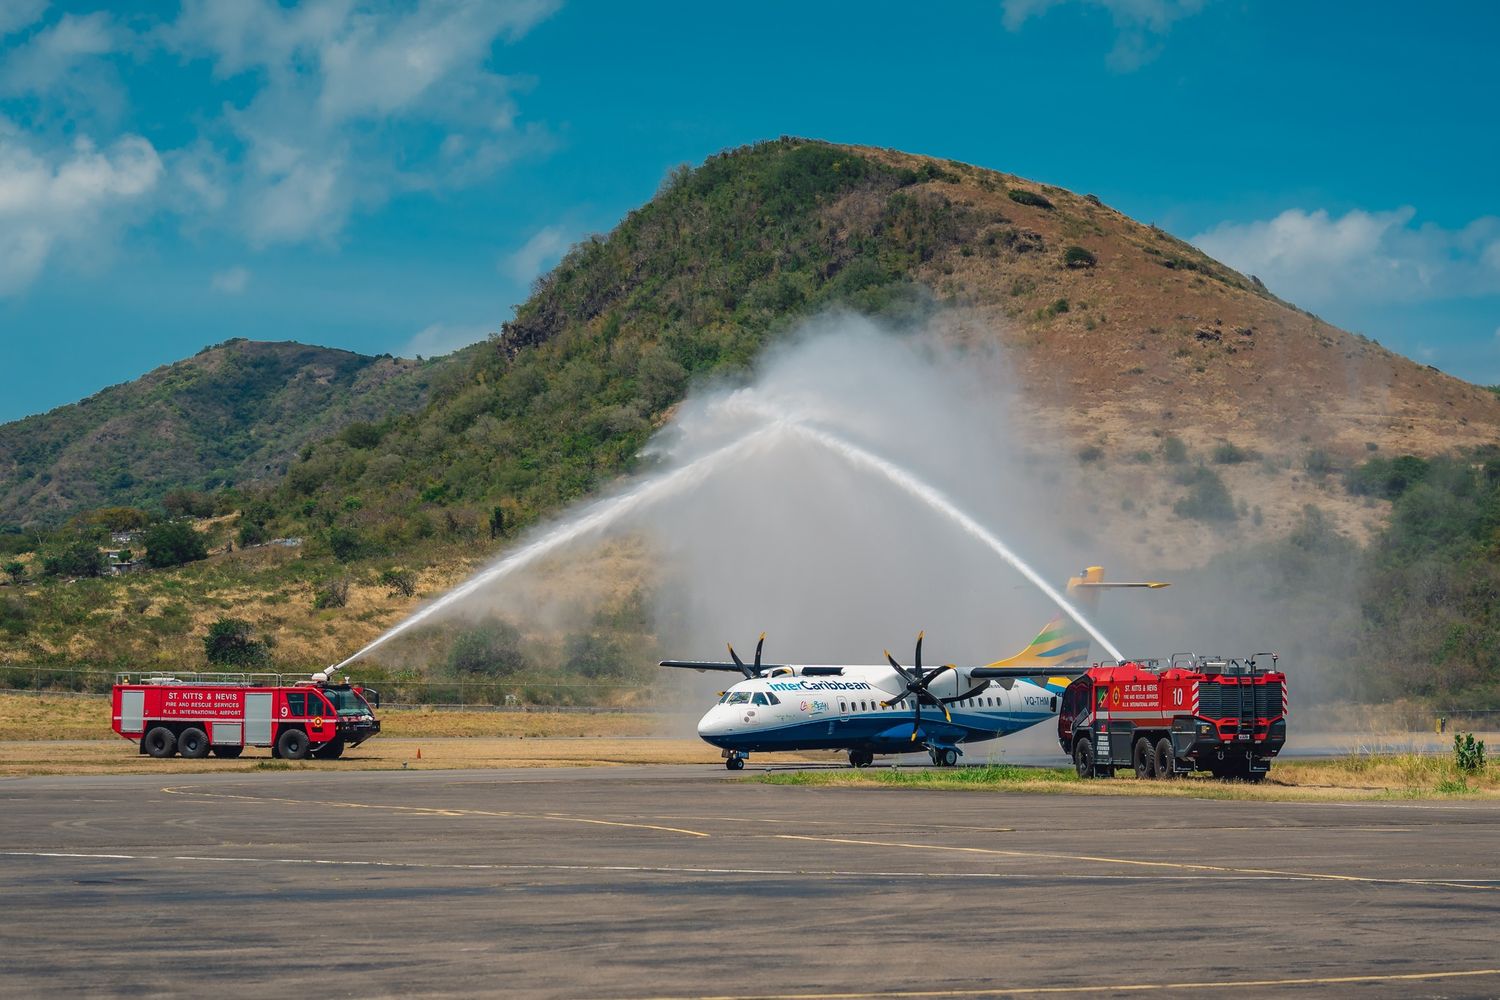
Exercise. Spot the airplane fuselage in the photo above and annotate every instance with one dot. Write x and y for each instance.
(846, 710)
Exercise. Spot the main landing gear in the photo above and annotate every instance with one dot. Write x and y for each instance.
(944, 756)
(861, 758)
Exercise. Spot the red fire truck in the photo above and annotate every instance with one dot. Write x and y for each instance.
(193, 714)
(1226, 716)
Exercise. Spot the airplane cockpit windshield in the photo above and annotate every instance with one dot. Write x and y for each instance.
(749, 698)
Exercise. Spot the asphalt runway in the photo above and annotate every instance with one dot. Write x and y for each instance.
(688, 882)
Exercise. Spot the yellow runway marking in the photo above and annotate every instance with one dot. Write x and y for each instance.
(435, 811)
(1097, 988)
(1178, 865)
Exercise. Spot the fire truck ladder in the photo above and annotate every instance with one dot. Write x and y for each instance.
(1247, 719)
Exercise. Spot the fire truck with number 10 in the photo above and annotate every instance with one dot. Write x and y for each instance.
(1225, 716)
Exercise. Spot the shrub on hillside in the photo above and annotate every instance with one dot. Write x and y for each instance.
(1208, 499)
(402, 582)
(1319, 463)
(188, 503)
(1090, 453)
(1173, 450)
(229, 643)
(173, 543)
(594, 656)
(331, 594)
(1386, 478)
(1228, 453)
(1076, 257)
(491, 648)
(15, 616)
(1024, 197)
(80, 557)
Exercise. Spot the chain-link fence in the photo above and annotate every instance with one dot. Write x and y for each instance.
(395, 692)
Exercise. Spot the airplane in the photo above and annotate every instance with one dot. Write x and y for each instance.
(893, 709)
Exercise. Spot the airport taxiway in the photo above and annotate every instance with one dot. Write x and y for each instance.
(687, 881)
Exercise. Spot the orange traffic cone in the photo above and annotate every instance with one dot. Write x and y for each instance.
(419, 753)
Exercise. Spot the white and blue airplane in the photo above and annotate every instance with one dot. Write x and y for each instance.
(879, 708)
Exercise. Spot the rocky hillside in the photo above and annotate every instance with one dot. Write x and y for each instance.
(231, 415)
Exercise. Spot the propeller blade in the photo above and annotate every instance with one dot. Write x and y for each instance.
(918, 664)
(758, 647)
(739, 662)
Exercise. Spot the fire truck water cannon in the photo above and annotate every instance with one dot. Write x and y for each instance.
(194, 714)
(1195, 713)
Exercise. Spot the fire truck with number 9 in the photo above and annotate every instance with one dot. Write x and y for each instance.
(201, 713)
(1203, 713)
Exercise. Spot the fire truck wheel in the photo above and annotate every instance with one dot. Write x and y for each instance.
(332, 750)
(293, 744)
(1083, 757)
(1144, 759)
(160, 742)
(228, 753)
(192, 743)
(1164, 757)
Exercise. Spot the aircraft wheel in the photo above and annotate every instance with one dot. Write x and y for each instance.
(1165, 759)
(734, 763)
(945, 758)
(861, 758)
(1144, 759)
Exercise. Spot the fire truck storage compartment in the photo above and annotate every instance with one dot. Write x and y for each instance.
(132, 711)
(227, 733)
(258, 717)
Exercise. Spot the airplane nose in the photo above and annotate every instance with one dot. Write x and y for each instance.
(713, 725)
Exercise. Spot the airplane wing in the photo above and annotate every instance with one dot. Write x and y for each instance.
(701, 665)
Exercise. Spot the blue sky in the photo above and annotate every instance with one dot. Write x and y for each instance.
(390, 176)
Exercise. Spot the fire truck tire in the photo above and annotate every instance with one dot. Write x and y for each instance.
(292, 744)
(332, 750)
(1144, 758)
(1083, 757)
(1164, 760)
(192, 743)
(160, 742)
(227, 752)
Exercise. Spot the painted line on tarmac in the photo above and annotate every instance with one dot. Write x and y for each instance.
(1481, 884)
(1099, 988)
(433, 810)
(654, 869)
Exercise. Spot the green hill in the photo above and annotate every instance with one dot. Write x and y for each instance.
(231, 415)
(1221, 411)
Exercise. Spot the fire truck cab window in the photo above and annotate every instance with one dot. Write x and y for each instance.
(296, 702)
(345, 702)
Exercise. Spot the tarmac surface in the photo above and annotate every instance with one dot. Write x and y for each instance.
(688, 881)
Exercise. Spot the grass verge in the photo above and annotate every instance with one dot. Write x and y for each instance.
(1359, 777)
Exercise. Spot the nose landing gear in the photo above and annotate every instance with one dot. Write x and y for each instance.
(734, 761)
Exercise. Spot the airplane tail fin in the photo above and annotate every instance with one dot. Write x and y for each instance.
(1062, 642)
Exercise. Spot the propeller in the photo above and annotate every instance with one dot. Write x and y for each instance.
(917, 681)
(748, 671)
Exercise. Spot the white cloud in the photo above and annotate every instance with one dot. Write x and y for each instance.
(18, 14)
(355, 103)
(536, 255)
(232, 281)
(48, 56)
(1141, 26)
(1313, 258)
(72, 199)
(442, 338)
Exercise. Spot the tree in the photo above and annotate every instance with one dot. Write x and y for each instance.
(173, 543)
(16, 570)
(403, 582)
(229, 643)
(80, 557)
(188, 503)
(492, 648)
(594, 656)
(497, 522)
